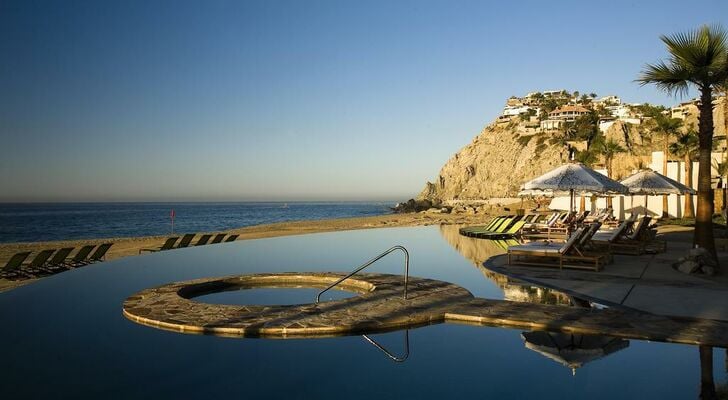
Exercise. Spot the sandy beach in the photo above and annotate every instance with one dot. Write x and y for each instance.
(129, 246)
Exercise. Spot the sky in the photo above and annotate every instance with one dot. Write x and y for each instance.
(292, 100)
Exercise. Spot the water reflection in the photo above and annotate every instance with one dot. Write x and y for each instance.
(388, 353)
(572, 350)
(479, 250)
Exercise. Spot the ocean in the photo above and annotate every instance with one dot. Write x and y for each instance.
(36, 222)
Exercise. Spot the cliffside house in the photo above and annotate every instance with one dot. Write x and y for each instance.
(608, 101)
(515, 110)
(568, 113)
(562, 114)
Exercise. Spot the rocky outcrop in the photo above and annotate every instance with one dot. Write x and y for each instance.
(509, 152)
(496, 163)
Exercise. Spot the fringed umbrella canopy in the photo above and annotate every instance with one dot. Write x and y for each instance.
(649, 182)
(575, 177)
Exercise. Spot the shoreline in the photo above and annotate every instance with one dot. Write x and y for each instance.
(129, 246)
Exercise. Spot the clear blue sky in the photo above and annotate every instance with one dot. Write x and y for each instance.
(233, 100)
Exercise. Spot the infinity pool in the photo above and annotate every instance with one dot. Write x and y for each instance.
(65, 336)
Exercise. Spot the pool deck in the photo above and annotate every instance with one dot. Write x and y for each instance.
(646, 283)
(380, 307)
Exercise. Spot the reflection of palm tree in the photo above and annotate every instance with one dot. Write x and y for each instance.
(686, 146)
(707, 385)
(698, 58)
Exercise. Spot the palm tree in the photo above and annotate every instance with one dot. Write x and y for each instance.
(588, 158)
(697, 59)
(722, 169)
(686, 147)
(668, 127)
(608, 149)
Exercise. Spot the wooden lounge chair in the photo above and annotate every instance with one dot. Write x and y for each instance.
(536, 227)
(566, 255)
(621, 241)
(80, 257)
(218, 238)
(12, 267)
(168, 245)
(99, 254)
(186, 240)
(203, 240)
(231, 238)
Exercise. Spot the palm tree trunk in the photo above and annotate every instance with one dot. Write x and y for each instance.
(707, 385)
(608, 163)
(665, 205)
(704, 218)
(688, 212)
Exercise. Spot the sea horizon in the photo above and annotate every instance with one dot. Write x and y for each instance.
(51, 221)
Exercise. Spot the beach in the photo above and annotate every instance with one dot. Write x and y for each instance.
(130, 246)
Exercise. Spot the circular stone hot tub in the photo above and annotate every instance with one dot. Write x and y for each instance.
(377, 306)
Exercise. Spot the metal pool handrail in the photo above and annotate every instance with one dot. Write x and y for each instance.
(370, 262)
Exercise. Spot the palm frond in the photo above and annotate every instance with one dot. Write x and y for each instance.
(698, 57)
(671, 79)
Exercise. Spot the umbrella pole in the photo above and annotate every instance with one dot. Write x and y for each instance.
(646, 212)
(571, 205)
(631, 205)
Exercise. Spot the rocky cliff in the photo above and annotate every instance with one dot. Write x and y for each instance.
(509, 152)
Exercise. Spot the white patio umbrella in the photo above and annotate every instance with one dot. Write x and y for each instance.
(648, 182)
(574, 177)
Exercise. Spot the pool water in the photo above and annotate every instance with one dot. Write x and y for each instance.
(65, 336)
(272, 296)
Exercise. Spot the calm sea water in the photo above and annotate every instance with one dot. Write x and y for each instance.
(66, 336)
(37, 222)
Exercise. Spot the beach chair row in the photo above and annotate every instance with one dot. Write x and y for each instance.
(556, 225)
(186, 241)
(588, 247)
(52, 261)
(510, 226)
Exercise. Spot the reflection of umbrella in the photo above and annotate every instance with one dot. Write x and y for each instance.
(574, 177)
(649, 182)
(572, 350)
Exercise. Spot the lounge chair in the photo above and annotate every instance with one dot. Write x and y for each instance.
(566, 255)
(34, 267)
(218, 238)
(203, 240)
(168, 245)
(621, 241)
(231, 238)
(186, 240)
(12, 267)
(99, 254)
(80, 257)
(57, 263)
(483, 232)
(511, 232)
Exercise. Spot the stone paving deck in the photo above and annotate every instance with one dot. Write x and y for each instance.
(647, 283)
(380, 307)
